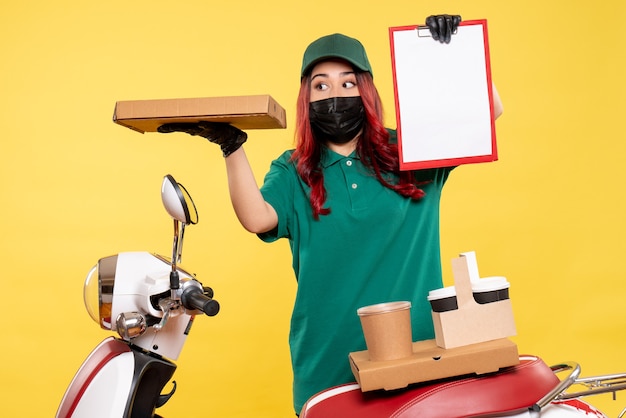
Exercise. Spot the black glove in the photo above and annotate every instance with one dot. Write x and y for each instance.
(443, 26)
(223, 134)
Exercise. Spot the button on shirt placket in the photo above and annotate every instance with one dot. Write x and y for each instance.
(350, 170)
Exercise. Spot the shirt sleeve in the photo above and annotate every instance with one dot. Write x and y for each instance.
(278, 190)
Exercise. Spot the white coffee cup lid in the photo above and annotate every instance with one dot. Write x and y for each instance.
(487, 284)
(444, 292)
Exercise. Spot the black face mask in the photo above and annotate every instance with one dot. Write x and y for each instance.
(338, 119)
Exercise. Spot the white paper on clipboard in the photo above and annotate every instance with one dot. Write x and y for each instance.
(444, 97)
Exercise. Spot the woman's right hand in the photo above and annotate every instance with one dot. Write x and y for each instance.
(225, 135)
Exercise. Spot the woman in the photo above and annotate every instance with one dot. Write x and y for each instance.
(361, 231)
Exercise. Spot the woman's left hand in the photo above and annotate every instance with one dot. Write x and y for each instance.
(443, 26)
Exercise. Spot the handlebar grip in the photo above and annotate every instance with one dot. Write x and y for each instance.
(194, 298)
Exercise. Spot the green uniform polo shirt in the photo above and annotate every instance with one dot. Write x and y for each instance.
(375, 246)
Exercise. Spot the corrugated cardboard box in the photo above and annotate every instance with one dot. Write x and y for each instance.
(244, 112)
(430, 362)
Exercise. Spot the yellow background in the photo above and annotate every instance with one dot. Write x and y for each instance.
(549, 215)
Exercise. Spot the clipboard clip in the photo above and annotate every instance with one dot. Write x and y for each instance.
(424, 32)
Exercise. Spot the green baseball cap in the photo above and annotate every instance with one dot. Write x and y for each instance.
(335, 46)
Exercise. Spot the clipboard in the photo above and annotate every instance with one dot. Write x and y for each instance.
(443, 96)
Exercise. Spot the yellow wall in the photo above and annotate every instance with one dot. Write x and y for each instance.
(75, 187)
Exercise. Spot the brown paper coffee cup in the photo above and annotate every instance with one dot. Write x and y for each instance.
(387, 330)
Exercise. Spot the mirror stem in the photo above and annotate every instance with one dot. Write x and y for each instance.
(179, 252)
(174, 278)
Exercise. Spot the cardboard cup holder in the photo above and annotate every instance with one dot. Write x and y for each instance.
(484, 311)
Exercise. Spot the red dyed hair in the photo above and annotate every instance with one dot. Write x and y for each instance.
(373, 147)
